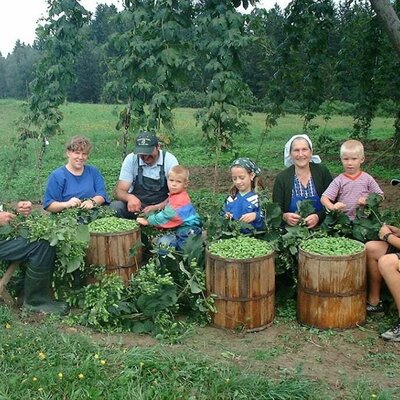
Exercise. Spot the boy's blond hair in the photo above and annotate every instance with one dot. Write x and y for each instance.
(352, 146)
(180, 171)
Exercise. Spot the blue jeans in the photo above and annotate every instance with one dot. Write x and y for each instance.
(177, 240)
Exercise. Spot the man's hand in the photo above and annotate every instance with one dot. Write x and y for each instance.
(133, 204)
(24, 208)
(5, 217)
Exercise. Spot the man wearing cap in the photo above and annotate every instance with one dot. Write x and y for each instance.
(142, 184)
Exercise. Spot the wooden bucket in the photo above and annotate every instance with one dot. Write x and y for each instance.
(332, 290)
(244, 290)
(112, 251)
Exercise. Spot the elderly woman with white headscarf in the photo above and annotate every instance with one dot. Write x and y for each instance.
(304, 179)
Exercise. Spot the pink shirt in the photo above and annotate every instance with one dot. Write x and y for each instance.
(348, 189)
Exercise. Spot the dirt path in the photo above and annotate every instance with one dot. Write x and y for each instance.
(339, 359)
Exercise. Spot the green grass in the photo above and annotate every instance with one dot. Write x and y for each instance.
(45, 360)
(40, 362)
(98, 122)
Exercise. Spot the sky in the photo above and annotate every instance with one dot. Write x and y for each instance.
(19, 18)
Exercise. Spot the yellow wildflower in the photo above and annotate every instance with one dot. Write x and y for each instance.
(103, 362)
(8, 326)
(96, 356)
(81, 376)
(34, 379)
(60, 375)
(41, 355)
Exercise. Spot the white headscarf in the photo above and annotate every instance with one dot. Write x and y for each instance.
(287, 160)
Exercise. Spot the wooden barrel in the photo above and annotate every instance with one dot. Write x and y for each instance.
(112, 250)
(332, 290)
(244, 291)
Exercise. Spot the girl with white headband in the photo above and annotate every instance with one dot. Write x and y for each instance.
(305, 178)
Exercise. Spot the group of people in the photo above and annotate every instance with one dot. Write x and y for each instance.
(153, 184)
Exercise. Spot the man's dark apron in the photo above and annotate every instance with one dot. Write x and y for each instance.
(150, 191)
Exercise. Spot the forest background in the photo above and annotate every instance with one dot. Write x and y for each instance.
(314, 57)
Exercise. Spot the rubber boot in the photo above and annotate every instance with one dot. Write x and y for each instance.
(37, 292)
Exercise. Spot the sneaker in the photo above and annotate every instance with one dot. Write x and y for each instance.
(374, 310)
(392, 334)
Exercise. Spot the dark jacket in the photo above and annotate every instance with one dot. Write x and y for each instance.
(283, 185)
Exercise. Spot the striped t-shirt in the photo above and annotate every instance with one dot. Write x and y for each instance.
(348, 189)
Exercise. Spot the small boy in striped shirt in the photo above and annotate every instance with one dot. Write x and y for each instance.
(350, 189)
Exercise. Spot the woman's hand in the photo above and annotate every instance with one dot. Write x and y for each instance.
(311, 221)
(394, 230)
(291, 219)
(142, 221)
(384, 230)
(248, 218)
(72, 202)
(87, 204)
(24, 208)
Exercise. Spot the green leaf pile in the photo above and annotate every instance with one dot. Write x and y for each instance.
(240, 248)
(112, 225)
(332, 246)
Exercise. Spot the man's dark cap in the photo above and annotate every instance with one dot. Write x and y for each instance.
(145, 143)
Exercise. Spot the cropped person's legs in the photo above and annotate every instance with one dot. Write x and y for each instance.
(40, 257)
(389, 267)
(375, 250)
(120, 208)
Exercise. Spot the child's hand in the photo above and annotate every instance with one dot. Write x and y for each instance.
(142, 221)
(152, 208)
(362, 201)
(228, 215)
(339, 206)
(248, 218)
